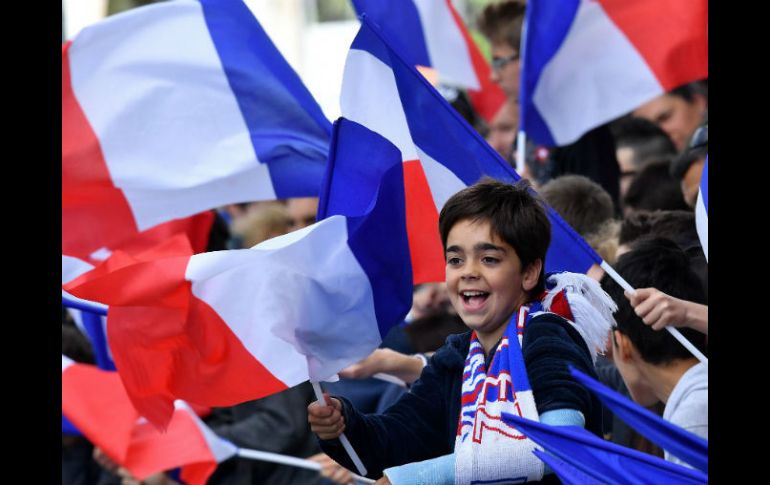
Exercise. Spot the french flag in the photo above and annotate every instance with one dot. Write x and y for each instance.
(175, 108)
(441, 153)
(97, 402)
(296, 307)
(702, 209)
(435, 36)
(587, 62)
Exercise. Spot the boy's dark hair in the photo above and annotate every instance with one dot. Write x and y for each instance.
(514, 212)
(502, 22)
(656, 263)
(653, 188)
(645, 139)
(583, 203)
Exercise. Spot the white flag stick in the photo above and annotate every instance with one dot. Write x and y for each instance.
(389, 378)
(343, 439)
(672, 330)
(521, 151)
(291, 461)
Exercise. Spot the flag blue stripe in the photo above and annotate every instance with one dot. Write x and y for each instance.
(68, 428)
(704, 184)
(371, 196)
(547, 25)
(288, 130)
(93, 325)
(568, 474)
(401, 20)
(681, 443)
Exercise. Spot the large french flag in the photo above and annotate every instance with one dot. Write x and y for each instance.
(175, 108)
(433, 35)
(702, 210)
(225, 327)
(587, 62)
(97, 402)
(441, 153)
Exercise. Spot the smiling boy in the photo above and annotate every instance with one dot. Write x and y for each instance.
(515, 358)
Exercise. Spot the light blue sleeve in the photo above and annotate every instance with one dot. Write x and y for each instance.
(441, 470)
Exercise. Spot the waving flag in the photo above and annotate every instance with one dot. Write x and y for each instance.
(681, 443)
(702, 210)
(568, 474)
(434, 36)
(441, 153)
(601, 459)
(587, 62)
(175, 108)
(96, 400)
(296, 307)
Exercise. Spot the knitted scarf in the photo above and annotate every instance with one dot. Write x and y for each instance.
(487, 450)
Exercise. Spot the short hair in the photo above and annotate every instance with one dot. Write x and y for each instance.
(676, 225)
(514, 212)
(502, 22)
(690, 90)
(583, 203)
(646, 140)
(654, 188)
(656, 263)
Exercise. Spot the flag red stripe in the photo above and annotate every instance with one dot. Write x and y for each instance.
(95, 213)
(422, 226)
(670, 36)
(488, 100)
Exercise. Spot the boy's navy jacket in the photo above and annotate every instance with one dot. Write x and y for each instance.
(423, 423)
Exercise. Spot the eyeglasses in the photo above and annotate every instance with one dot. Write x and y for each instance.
(500, 62)
(700, 138)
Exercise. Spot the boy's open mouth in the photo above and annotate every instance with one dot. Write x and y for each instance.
(473, 299)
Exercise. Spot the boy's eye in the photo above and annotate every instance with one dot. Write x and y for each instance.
(453, 261)
(489, 260)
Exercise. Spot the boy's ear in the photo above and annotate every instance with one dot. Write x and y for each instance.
(623, 346)
(532, 274)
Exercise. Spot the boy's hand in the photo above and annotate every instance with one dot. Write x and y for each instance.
(326, 421)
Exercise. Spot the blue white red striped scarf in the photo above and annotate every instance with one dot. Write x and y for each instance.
(487, 450)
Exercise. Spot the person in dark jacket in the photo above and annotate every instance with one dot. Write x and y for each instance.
(447, 428)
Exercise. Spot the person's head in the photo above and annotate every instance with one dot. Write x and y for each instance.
(302, 211)
(688, 166)
(653, 188)
(652, 263)
(260, 223)
(678, 112)
(501, 23)
(676, 225)
(502, 129)
(638, 141)
(495, 237)
(583, 203)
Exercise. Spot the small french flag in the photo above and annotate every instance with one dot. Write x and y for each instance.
(702, 209)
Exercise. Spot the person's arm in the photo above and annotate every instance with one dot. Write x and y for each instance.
(413, 429)
(658, 309)
(406, 367)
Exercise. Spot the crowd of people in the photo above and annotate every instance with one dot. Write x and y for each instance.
(628, 187)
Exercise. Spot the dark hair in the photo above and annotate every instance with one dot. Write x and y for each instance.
(653, 188)
(502, 22)
(656, 263)
(645, 139)
(583, 203)
(677, 225)
(690, 90)
(514, 212)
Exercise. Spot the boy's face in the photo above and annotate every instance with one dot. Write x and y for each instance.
(484, 278)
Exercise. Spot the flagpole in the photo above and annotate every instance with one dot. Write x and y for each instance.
(343, 439)
(672, 330)
(291, 461)
(521, 150)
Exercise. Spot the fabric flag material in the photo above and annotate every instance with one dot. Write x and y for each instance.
(432, 33)
(702, 209)
(175, 108)
(604, 460)
(187, 443)
(681, 443)
(568, 474)
(441, 153)
(296, 307)
(587, 62)
(95, 402)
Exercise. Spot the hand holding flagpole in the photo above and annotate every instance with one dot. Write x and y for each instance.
(343, 439)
